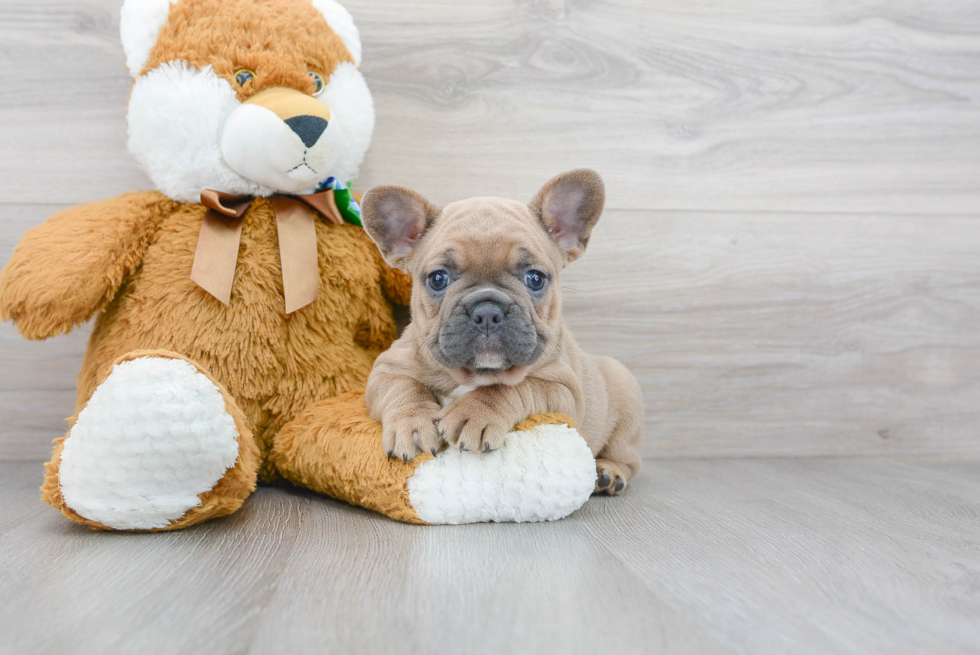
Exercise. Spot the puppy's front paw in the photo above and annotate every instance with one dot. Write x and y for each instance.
(471, 424)
(612, 477)
(410, 431)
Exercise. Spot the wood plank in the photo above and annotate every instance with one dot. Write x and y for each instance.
(752, 335)
(869, 106)
(873, 555)
(67, 588)
(870, 555)
(32, 418)
(481, 588)
(757, 335)
(63, 109)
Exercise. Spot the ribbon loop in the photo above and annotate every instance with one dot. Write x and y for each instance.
(325, 203)
(216, 256)
(215, 200)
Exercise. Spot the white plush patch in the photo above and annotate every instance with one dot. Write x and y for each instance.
(181, 118)
(341, 22)
(153, 436)
(176, 115)
(539, 475)
(140, 22)
(259, 146)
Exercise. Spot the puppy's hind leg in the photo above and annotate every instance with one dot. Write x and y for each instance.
(619, 460)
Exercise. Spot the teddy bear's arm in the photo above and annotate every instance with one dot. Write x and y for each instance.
(72, 265)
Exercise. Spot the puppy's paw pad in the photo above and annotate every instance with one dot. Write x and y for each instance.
(611, 478)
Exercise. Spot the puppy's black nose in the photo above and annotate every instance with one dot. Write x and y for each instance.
(307, 128)
(487, 316)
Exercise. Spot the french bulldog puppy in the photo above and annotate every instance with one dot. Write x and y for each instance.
(487, 346)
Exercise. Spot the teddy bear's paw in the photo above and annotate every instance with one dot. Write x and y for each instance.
(153, 436)
(541, 474)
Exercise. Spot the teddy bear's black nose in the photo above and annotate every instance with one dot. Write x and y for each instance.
(308, 128)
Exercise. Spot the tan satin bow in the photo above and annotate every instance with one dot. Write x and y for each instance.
(221, 234)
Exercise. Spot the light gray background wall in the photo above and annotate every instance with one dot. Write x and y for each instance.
(790, 260)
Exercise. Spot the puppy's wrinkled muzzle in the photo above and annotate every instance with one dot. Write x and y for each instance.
(487, 331)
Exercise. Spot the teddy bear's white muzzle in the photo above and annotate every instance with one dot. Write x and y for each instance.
(289, 155)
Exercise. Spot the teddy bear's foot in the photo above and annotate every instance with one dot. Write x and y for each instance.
(542, 472)
(158, 446)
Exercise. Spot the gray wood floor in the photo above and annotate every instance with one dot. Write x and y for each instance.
(818, 555)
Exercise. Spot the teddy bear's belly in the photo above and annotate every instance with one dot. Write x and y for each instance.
(274, 365)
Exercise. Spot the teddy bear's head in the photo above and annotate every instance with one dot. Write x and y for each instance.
(249, 97)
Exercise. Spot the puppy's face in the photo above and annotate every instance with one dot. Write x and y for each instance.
(486, 302)
(486, 295)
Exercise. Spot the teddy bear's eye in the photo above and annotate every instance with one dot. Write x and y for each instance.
(244, 76)
(318, 84)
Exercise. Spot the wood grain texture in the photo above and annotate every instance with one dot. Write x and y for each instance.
(820, 106)
(777, 334)
(872, 555)
(708, 105)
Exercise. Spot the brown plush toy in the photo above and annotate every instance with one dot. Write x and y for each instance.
(239, 307)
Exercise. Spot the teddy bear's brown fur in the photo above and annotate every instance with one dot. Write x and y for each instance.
(280, 45)
(128, 259)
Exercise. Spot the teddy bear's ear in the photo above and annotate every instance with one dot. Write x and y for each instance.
(396, 218)
(341, 22)
(140, 22)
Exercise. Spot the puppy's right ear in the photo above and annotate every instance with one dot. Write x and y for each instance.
(569, 206)
(396, 218)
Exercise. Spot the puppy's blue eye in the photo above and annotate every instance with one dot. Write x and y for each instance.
(535, 280)
(439, 280)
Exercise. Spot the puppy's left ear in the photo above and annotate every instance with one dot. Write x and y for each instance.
(569, 206)
(396, 218)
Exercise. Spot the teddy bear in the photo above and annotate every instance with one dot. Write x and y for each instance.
(239, 306)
